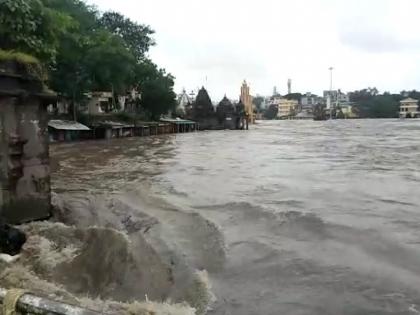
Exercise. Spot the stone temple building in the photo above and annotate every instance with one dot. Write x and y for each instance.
(226, 115)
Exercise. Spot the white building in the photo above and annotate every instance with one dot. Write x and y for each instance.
(337, 96)
(309, 100)
(62, 107)
(409, 108)
(98, 102)
(274, 100)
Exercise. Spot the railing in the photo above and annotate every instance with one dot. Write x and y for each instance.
(31, 304)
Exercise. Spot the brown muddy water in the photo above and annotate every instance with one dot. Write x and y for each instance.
(291, 217)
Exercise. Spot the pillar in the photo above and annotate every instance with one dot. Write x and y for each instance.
(25, 192)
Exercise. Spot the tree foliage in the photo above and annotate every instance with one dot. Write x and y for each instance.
(363, 95)
(84, 50)
(369, 103)
(257, 101)
(110, 65)
(319, 112)
(158, 96)
(30, 27)
(293, 96)
(271, 112)
(137, 37)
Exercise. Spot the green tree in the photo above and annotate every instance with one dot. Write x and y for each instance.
(257, 101)
(86, 16)
(383, 106)
(370, 104)
(319, 112)
(70, 75)
(137, 37)
(293, 96)
(30, 27)
(271, 112)
(156, 87)
(109, 63)
(85, 51)
(413, 94)
(363, 95)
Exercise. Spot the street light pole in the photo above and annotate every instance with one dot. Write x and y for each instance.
(331, 78)
(331, 87)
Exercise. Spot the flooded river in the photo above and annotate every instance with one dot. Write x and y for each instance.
(291, 217)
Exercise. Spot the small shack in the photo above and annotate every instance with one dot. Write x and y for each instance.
(181, 125)
(142, 130)
(67, 130)
(113, 129)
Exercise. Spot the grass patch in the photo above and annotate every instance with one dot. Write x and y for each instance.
(28, 64)
(21, 58)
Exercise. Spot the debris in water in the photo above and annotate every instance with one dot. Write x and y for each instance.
(11, 239)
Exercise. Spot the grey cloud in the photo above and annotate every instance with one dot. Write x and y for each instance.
(376, 41)
(228, 62)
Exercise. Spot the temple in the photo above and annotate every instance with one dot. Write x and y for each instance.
(246, 100)
(225, 116)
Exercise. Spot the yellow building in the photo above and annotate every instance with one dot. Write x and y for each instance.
(409, 108)
(287, 108)
(246, 99)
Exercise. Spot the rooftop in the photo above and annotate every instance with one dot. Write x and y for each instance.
(409, 100)
(66, 125)
(225, 102)
(114, 124)
(177, 121)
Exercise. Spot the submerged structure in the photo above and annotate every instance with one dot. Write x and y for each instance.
(66, 130)
(24, 157)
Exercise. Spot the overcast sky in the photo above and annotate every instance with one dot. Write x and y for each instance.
(369, 42)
